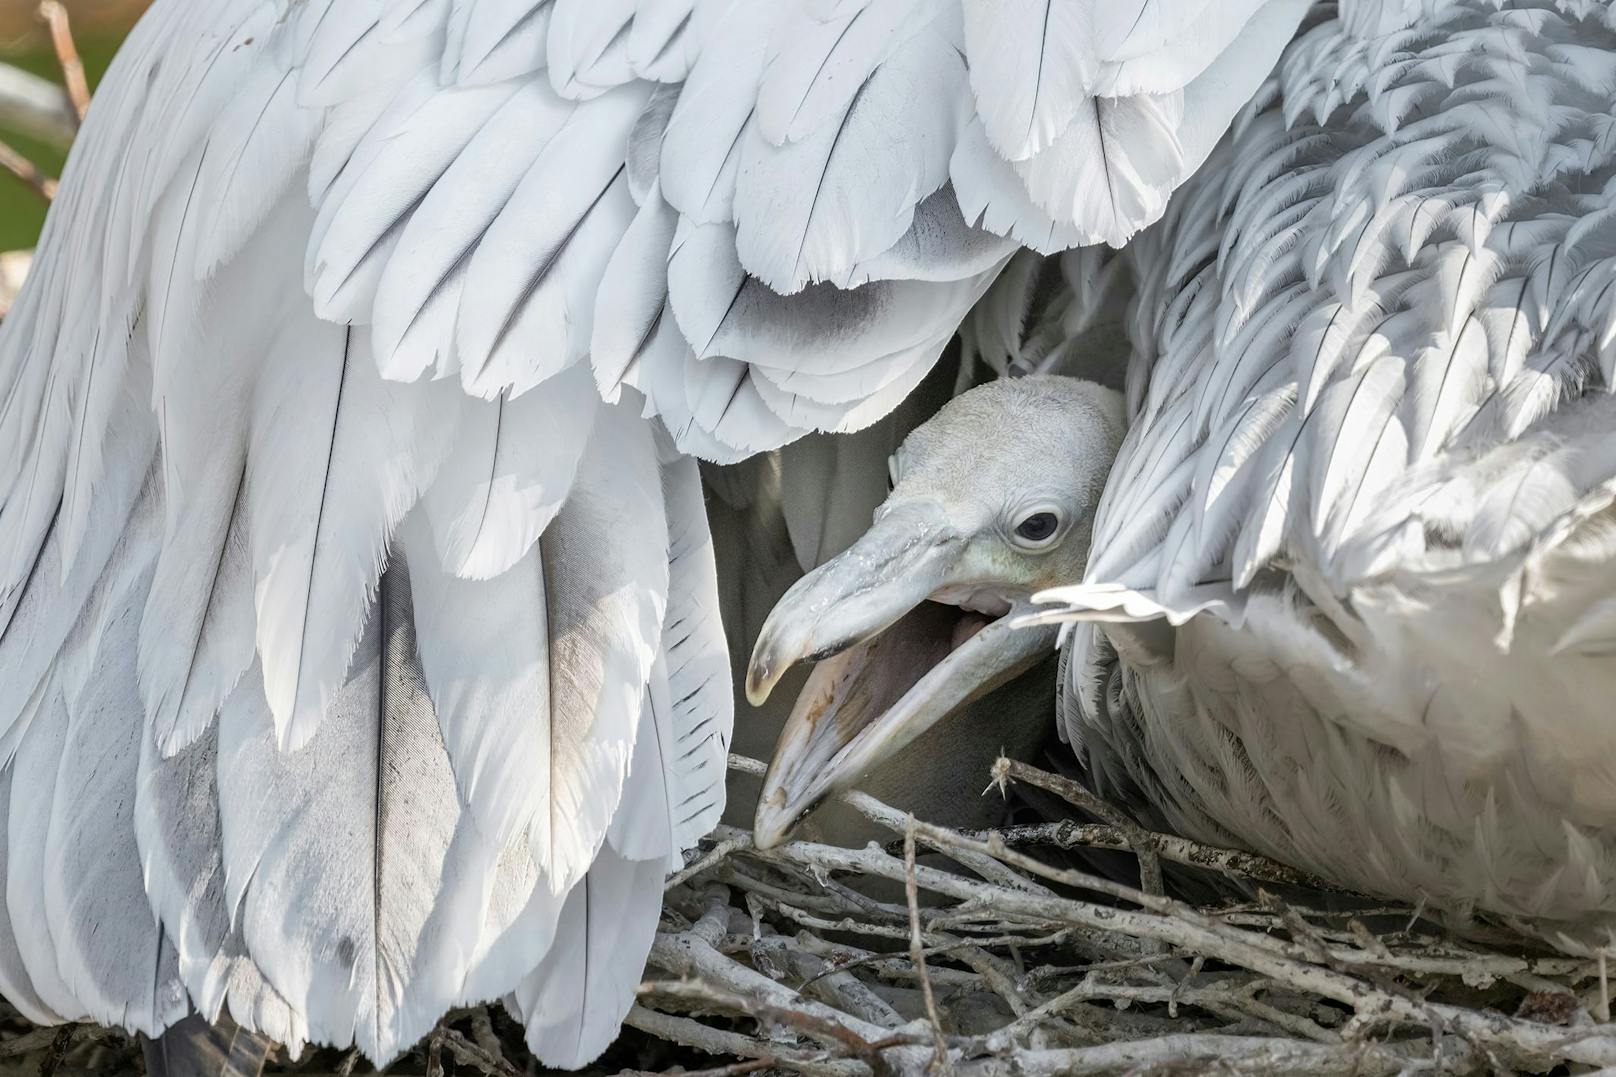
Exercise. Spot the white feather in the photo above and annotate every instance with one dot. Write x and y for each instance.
(846, 191)
(511, 468)
(33, 791)
(584, 41)
(358, 830)
(700, 698)
(14, 981)
(485, 653)
(176, 818)
(574, 1002)
(110, 949)
(700, 150)
(419, 293)
(819, 56)
(605, 565)
(530, 286)
(1112, 167)
(337, 457)
(633, 296)
(1032, 63)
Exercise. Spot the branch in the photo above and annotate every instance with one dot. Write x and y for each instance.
(67, 56)
(1121, 833)
(24, 169)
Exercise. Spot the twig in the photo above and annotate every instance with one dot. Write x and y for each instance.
(889, 817)
(1068, 834)
(1604, 990)
(1272, 989)
(1184, 927)
(811, 1019)
(1198, 1053)
(715, 1041)
(467, 1053)
(67, 55)
(1139, 840)
(917, 951)
(713, 856)
(57, 1050)
(25, 170)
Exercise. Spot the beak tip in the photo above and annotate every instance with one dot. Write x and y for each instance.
(771, 826)
(760, 680)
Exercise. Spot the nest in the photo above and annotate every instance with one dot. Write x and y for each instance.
(1004, 961)
(985, 954)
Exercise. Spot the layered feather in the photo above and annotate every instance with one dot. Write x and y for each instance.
(317, 541)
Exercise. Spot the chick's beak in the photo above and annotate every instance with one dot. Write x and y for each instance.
(891, 664)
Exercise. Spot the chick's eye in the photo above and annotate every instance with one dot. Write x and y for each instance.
(1037, 527)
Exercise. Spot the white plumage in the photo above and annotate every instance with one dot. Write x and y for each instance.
(360, 652)
(1368, 476)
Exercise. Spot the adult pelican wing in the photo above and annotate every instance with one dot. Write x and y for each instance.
(1370, 478)
(358, 645)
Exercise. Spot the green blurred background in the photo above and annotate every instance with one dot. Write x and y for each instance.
(98, 26)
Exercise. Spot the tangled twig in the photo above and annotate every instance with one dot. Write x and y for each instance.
(1003, 961)
(987, 960)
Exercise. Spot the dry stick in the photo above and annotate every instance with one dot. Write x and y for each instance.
(891, 818)
(1604, 990)
(734, 1069)
(1069, 834)
(1139, 840)
(67, 55)
(709, 859)
(775, 951)
(27, 171)
(467, 1053)
(60, 1044)
(482, 1032)
(1287, 965)
(1188, 929)
(1235, 995)
(917, 951)
(812, 1019)
(1213, 1053)
(713, 977)
(893, 967)
(715, 1041)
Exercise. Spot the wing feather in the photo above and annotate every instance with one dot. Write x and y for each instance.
(574, 1002)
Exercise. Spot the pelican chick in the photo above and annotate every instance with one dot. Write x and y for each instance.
(992, 501)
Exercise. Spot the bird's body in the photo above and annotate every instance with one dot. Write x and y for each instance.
(360, 647)
(359, 644)
(1349, 595)
(1372, 430)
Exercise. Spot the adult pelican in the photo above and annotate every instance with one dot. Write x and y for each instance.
(359, 642)
(1349, 595)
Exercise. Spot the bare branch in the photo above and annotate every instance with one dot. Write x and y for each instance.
(67, 56)
(917, 950)
(24, 169)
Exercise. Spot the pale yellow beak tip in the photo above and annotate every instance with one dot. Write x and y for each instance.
(759, 685)
(771, 826)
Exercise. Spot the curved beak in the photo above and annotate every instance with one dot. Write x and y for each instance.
(891, 664)
(893, 568)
